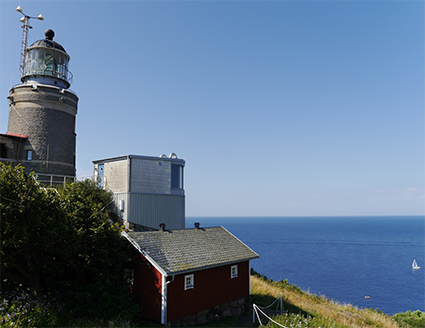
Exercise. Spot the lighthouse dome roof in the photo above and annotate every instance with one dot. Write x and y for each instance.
(47, 42)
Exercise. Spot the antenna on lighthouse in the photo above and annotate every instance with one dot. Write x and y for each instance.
(25, 21)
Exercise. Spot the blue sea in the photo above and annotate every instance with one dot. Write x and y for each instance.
(343, 258)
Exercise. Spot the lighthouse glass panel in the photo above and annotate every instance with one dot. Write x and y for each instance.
(49, 63)
(33, 65)
(42, 61)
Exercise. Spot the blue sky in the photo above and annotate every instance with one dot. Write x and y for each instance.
(280, 108)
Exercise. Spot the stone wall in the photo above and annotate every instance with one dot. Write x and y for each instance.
(116, 175)
(150, 176)
(231, 309)
(47, 115)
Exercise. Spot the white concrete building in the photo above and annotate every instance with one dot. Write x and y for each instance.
(147, 190)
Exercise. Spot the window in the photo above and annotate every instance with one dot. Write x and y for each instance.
(3, 151)
(129, 276)
(100, 175)
(29, 155)
(176, 176)
(233, 271)
(188, 281)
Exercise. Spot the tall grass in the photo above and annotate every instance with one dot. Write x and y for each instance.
(317, 310)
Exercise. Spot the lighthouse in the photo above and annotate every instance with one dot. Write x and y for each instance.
(42, 112)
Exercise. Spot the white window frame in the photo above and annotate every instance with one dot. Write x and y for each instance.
(234, 271)
(188, 281)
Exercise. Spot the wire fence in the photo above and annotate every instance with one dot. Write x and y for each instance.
(261, 310)
(60, 180)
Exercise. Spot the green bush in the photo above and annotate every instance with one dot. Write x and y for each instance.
(61, 242)
(414, 319)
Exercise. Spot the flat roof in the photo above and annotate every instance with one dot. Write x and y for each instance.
(163, 157)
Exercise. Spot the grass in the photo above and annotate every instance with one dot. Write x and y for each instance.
(317, 310)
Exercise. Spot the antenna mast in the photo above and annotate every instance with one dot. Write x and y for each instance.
(26, 26)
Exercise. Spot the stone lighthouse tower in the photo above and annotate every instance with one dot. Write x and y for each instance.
(43, 110)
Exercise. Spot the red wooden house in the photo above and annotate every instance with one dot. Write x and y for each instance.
(190, 276)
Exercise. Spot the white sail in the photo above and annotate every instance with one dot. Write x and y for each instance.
(415, 265)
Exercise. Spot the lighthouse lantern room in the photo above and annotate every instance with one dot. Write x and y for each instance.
(46, 62)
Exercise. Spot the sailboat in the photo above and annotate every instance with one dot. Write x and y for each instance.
(415, 265)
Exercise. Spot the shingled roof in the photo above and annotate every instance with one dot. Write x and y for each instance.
(185, 250)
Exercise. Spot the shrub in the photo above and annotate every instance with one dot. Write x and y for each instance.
(414, 319)
(61, 243)
(22, 308)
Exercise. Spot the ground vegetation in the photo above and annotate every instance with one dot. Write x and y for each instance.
(61, 253)
(304, 309)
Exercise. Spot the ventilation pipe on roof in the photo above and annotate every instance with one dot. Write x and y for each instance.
(197, 224)
(173, 156)
(162, 226)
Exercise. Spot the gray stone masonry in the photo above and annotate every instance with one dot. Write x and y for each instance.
(231, 309)
(47, 115)
(116, 175)
(150, 176)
